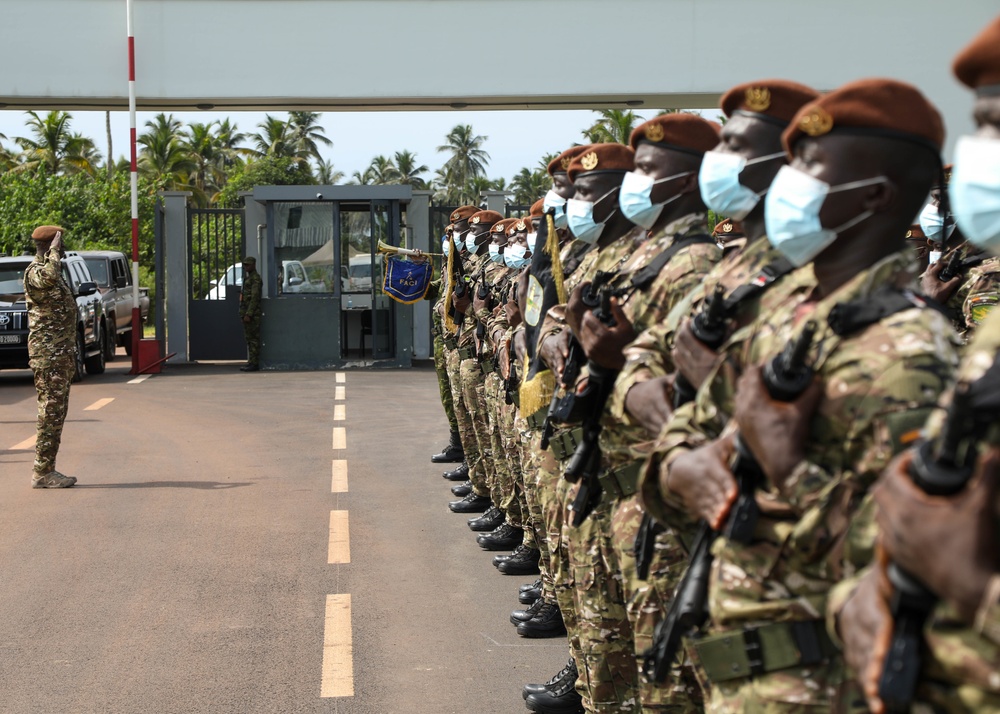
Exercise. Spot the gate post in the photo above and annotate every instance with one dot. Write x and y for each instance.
(496, 200)
(418, 223)
(175, 244)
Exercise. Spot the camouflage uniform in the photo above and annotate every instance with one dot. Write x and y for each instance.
(440, 360)
(607, 673)
(980, 293)
(879, 383)
(250, 307)
(481, 468)
(52, 352)
(961, 663)
(621, 446)
(649, 357)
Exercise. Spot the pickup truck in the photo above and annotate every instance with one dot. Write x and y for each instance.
(93, 333)
(112, 272)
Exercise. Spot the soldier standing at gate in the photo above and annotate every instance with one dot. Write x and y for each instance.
(250, 312)
(52, 347)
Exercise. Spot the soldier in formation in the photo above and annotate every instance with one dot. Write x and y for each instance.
(754, 466)
(250, 312)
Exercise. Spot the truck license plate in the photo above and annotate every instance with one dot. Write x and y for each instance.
(10, 339)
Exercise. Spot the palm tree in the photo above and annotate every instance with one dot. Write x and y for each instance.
(48, 147)
(163, 155)
(275, 139)
(614, 127)
(305, 135)
(82, 155)
(530, 185)
(468, 159)
(381, 171)
(203, 147)
(325, 175)
(229, 140)
(409, 172)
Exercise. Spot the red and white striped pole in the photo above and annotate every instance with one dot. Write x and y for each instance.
(136, 315)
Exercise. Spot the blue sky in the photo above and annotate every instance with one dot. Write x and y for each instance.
(515, 138)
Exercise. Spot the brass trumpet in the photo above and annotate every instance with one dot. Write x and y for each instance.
(387, 249)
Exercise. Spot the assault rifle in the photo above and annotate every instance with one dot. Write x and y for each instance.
(786, 376)
(940, 467)
(585, 464)
(709, 326)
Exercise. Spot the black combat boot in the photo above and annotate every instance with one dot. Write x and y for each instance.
(523, 561)
(493, 518)
(560, 699)
(546, 622)
(503, 537)
(452, 453)
(569, 671)
(459, 474)
(519, 616)
(529, 592)
(463, 489)
(470, 504)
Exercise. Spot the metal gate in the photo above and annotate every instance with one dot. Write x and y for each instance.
(215, 278)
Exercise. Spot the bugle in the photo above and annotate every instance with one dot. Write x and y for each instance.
(387, 249)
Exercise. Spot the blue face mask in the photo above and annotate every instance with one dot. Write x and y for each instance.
(975, 191)
(553, 201)
(531, 239)
(932, 224)
(580, 215)
(719, 181)
(495, 254)
(791, 214)
(516, 256)
(445, 246)
(635, 198)
(470, 242)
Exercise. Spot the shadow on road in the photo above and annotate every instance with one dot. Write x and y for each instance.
(203, 485)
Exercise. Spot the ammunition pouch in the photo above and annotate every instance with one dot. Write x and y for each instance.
(450, 342)
(564, 442)
(467, 352)
(753, 651)
(537, 420)
(622, 482)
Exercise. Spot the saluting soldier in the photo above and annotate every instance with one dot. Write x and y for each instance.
(950, 543)
(250, 312)
(863, 158)
(52, 347)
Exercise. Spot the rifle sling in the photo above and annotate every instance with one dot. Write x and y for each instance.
(645, 276)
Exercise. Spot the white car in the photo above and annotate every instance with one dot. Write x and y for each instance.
(232, 276)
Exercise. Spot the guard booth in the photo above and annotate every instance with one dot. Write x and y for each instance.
(317, 251)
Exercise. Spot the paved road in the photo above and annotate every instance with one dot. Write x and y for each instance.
(198, 566)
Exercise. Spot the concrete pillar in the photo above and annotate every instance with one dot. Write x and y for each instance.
(418, 230)
(495, 201)
(175, 243)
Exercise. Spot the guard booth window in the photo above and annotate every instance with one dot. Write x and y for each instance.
(304, 248)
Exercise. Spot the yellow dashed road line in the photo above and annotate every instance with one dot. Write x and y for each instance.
(341, 377)
(339, 482)
(98, 404)
(340, 539)
(340, 412)
(338, 648)
(339, 393)
(339, 437)
(28, 443)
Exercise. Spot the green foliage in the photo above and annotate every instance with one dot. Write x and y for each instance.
(96, 212)
(265, 171)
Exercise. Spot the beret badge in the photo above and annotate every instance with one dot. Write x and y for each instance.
(475, 220)
(727, 228)
(817, 122)
(589, 161)
(521, 226)
(654, 132)
(758, 99)
(909, 233)
(565, 163)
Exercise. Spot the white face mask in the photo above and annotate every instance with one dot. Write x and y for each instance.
(580, 216)
(556, 203)
(719, 182)
(932, 224)
(445, 246)
(635, 198)
(495, 254)
(791, 214)
(516, 256)
(531, 238)
(975, 191)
